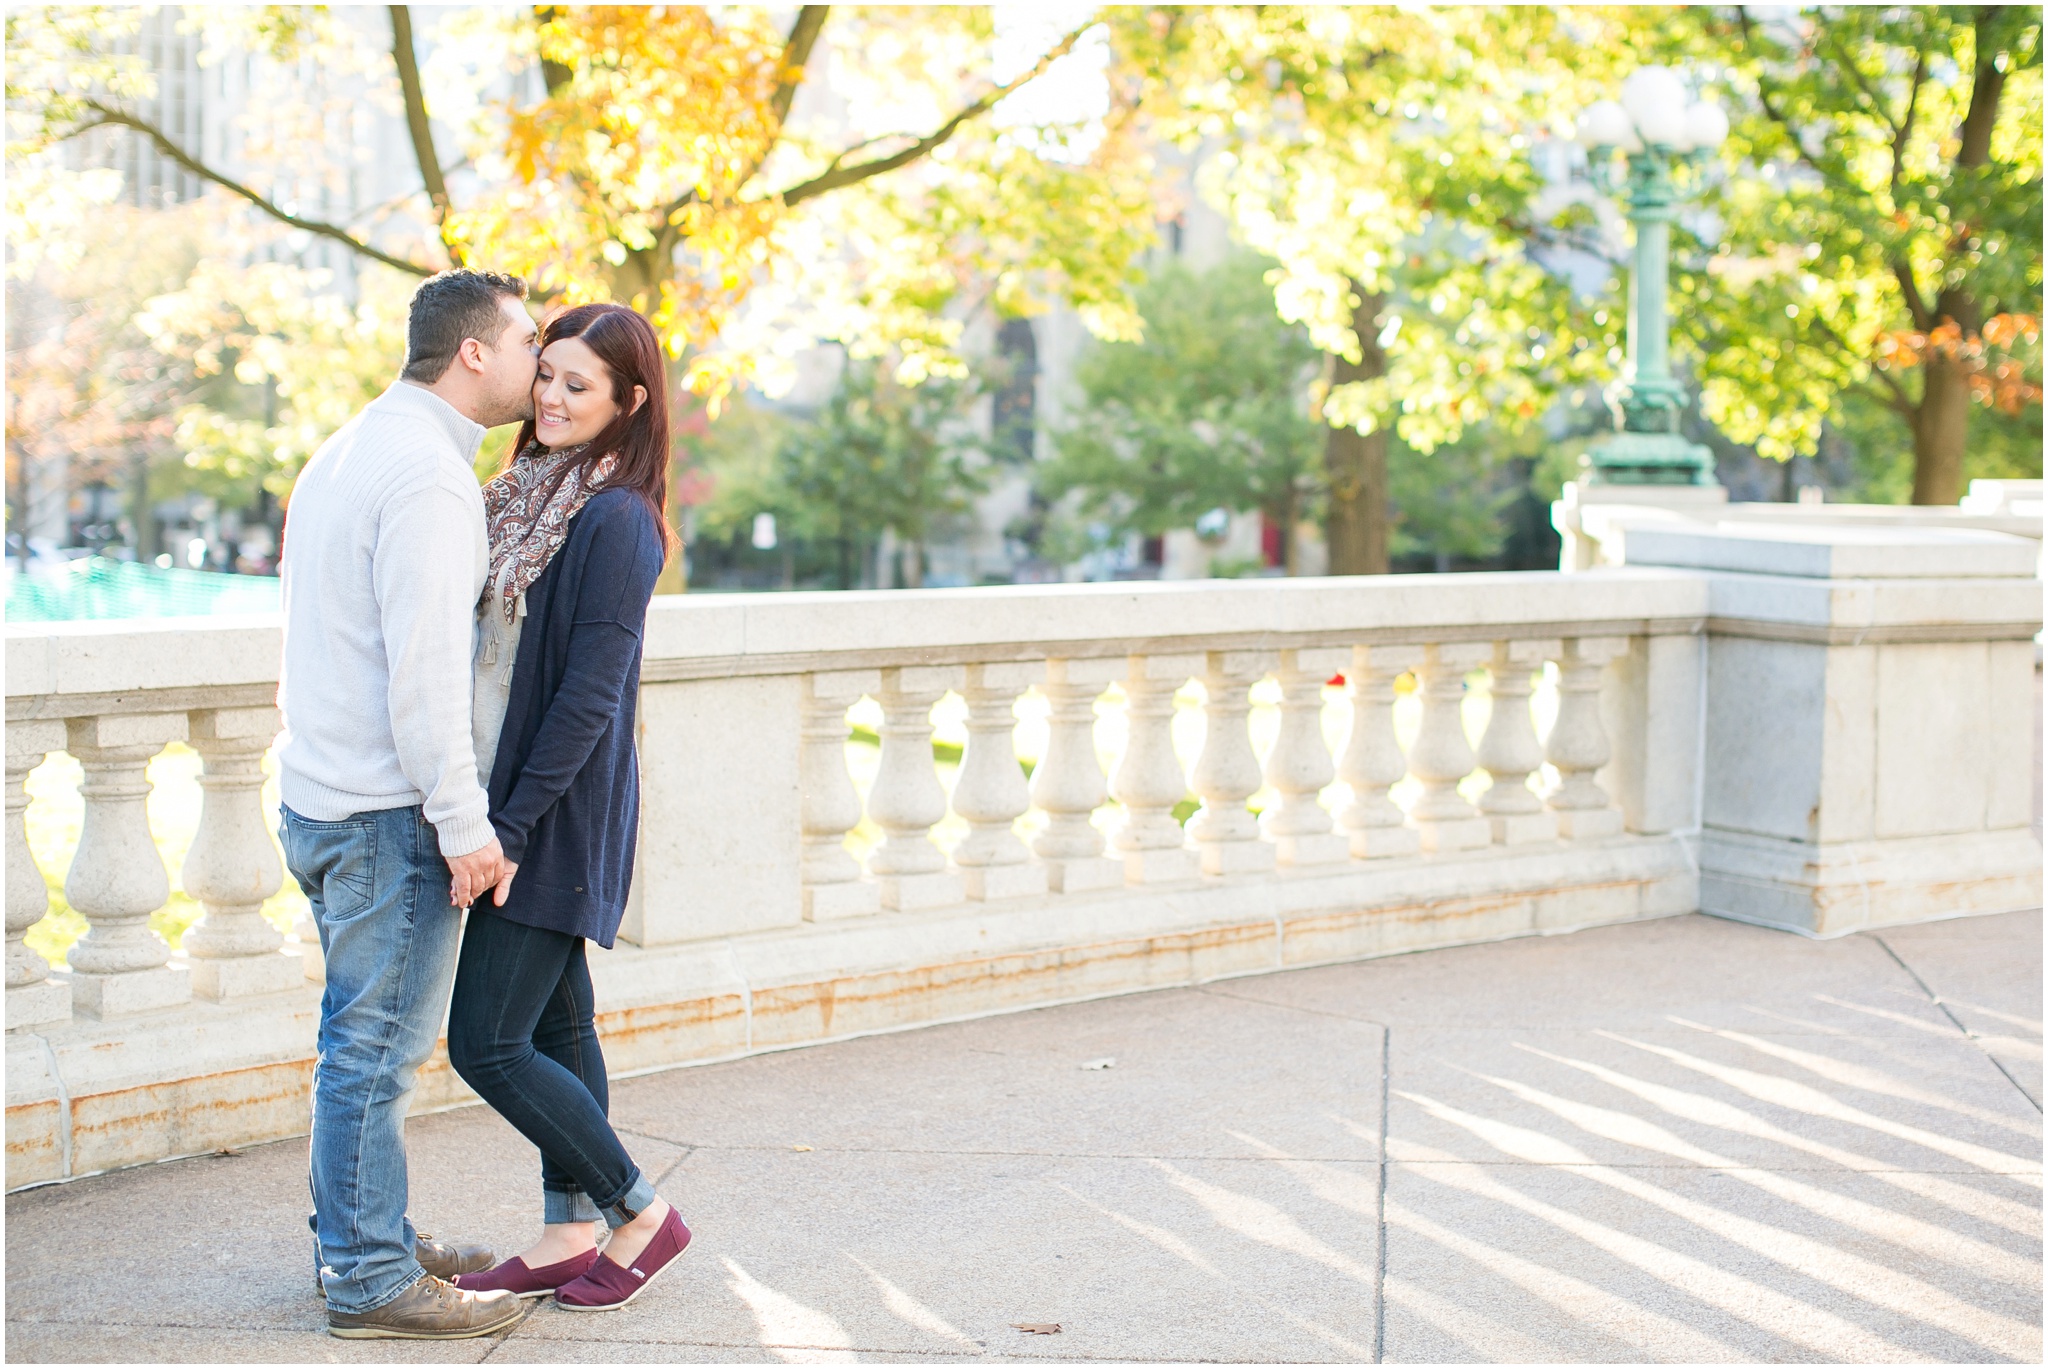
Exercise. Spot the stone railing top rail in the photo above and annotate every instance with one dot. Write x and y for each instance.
(65, 669)
(1836, 552)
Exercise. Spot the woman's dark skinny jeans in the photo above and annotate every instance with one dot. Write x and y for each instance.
(521, 1032)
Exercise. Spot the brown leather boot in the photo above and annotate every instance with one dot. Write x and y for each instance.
(443, 1259)
(429, 1310)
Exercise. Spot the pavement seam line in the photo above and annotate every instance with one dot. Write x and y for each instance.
(1289, 1007)
(1968, 1035)
(1379, 1292)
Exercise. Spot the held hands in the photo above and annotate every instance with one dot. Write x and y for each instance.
(478, 871)
(503, 890)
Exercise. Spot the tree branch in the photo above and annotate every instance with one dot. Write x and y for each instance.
(1896, 401)
(1915, 305)
(1900, 402)
(109, 116)
(1847, 61)
(796, 56)
(1905, 130)
(1984, 92)
(861, 171)
(416, 121)
(1778, 117)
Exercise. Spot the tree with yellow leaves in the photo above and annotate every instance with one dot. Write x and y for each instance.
(664, 166)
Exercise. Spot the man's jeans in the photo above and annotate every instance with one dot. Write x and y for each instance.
(379, 890)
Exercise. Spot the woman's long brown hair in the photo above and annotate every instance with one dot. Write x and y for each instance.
(626, 344)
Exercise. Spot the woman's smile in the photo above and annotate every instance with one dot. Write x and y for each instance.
(575, 396)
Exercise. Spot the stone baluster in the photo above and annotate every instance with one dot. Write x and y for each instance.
(1227, 771)
(1509, 751)
(908, 799)
(832, 883)
(117, 879)
(232, 868)
(1299, 765)
(1149, 781)
(33, 998)
(1577, 744)
(990, 792)
(1372, 759)
(312, 955)
(1442, 756)
(1068, 782)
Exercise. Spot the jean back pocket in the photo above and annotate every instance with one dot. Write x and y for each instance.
(335, 863)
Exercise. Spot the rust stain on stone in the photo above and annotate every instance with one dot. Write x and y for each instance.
(150, 1121)
(33, 1151)
(236, 1107)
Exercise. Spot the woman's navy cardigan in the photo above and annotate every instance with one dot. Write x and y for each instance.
(565, 787)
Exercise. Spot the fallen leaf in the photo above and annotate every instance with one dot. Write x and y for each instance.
(1037, 1328)
(799, 1147)
(1104, 1063)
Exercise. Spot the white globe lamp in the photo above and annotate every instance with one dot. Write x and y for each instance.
(1655, 100)
(1605, 124)
(1706, 126)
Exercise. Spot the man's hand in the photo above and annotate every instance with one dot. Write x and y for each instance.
(504, 889)
(475, 872)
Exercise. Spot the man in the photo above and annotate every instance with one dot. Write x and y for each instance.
(385, 823)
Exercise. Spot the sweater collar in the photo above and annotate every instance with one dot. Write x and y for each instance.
(416, 401)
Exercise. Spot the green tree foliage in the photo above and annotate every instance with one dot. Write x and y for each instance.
(880, 456)
(1882, 227)
(303, 358)
(1382, 156)
(1210, 410)
(86, 388)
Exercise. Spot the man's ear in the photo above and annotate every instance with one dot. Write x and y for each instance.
(471, 354)
(639, 398)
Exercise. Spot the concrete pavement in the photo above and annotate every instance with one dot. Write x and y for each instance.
(1678, 1140)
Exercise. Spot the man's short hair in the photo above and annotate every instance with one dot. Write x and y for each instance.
(450, 307)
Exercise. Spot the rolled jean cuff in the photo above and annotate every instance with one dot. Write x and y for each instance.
(637, 1199)
(571, 1205)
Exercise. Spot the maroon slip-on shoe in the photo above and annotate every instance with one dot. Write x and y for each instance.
(514, 1277)
(609, 1285)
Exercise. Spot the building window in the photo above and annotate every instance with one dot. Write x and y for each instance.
(1014, 424)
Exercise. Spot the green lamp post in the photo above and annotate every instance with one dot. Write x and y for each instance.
(1657, 128)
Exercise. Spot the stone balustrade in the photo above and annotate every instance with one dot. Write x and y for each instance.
(752, 924)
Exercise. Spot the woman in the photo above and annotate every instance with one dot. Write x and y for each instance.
(577, 538)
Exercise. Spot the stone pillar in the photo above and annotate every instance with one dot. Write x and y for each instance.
(721, 807)
(1149, 781)
(908, 799)
(1227, 771)
(1068, 783)
(232, 868)
(1870, 722)
(33, 998)
(117, 879)
(1509, 751)
(1372, 760)
(990, 792)
(1442, 756)
(1299, 765)
(833, 886)
(1577, 744)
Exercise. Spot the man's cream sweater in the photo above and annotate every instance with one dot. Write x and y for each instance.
(384, 557)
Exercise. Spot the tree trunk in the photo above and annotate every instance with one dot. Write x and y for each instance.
(1941, 428)
(1355, 463)
(1941, 432)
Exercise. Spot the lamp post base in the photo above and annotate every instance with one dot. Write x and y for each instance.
(1628, 458)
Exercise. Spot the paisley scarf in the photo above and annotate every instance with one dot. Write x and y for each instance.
(527, 508)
